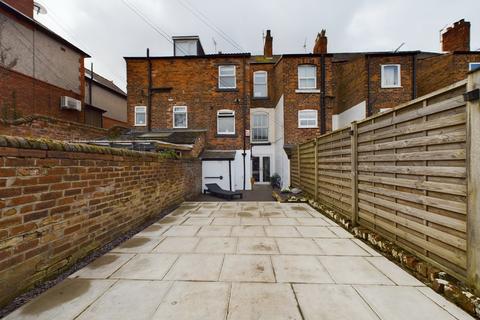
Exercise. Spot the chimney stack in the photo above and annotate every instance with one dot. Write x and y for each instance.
(268, 47)
(456, 37)
(321, 43)
(24, 6)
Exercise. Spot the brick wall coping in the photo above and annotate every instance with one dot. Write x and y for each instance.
(31, 118)
(8, 144)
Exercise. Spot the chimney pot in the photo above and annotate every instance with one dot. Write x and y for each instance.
(268, 46)
(456, 37)
(321, 43)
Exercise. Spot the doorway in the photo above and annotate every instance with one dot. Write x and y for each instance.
(261, 169)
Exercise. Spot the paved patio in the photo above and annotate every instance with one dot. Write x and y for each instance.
(238, 260)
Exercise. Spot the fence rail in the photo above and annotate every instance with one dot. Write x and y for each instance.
(403, 174)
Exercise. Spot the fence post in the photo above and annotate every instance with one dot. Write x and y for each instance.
(315, 144)
(298, 163)
(354, 172)
(473, 180)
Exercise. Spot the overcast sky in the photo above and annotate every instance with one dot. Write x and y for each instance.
(109, 30)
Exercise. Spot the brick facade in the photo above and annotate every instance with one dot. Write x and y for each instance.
(193, 83)
(110, 123)
(351, 83)
(440, 71)
(58, 206)
(456, 37)
(24, 6)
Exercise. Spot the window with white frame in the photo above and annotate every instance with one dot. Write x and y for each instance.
(260, 84)
(180, 118)
(260, 127)
(140, 116)
(391, 76)
(307, 119)
(307, 77)
(473, 66)
(225, 122)
(227, 78)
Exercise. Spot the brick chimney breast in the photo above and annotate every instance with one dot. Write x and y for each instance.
(456, 37)
(321, 43)
(268, 47)
(24, 6)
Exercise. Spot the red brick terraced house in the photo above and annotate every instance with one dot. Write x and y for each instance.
(254, 108)
(40, 72)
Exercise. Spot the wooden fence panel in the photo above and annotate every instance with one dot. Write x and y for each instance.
(401, 173)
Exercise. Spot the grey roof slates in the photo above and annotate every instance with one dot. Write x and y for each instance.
(218, 155)
(104, 82)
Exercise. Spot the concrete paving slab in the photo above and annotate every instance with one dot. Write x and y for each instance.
(177, 245)
(254, 222)
(248, 231)
(394, 272)
(316, 232)
(153, 231)
(332, 302)
(367, 248)
(313, 222)
(128, 299)
(283, 221)
(182, 231)
(297, 246)
(247, 268)
(282, 231)
(353, 270)
(341, 233)
(340, 247)
(217, 245)
(102, 267)
(195, 300)
(65, 301)
(215, 231)
(224, 213)
(399, 303)
(297, 214)
(272, 213)
(192, 221)
(171, 220)
(262, 301)
(138, 245)
(299, 269)
(256, 246)
(445, 304)
(146, 267)
(226, 221)
(196, 267)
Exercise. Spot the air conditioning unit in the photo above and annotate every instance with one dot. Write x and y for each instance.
(70, 103)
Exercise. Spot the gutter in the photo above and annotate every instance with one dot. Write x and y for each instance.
(323, 113)
(414, 76)
(369, 107)
(149, 98)
(244, 109)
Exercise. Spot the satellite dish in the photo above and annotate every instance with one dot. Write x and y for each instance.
(39, 8)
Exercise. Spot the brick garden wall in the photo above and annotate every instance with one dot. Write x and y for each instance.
(57, 206)
(46, 127)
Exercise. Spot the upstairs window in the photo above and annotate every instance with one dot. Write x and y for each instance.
(227, 78)
(180, 118)
(391, 76)
(307, 119)
(473, 66)
(260, 127)
(260, 87)
(226, 122)
(140, 116)
(307, 77)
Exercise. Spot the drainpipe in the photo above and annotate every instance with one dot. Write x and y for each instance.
(149, 94)
(369, 107)
(414, 76)
(244, 113)
(323, 111)
(90, 99)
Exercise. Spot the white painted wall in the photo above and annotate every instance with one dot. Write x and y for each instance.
(220, 168)
(355, 113)
(282, 164)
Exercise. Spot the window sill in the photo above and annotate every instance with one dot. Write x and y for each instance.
(307, 91)
(392, 87)
(227, 90)
(316, 127)
(260, 98)
(259, 143)
(228, 136)
(140, 125)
